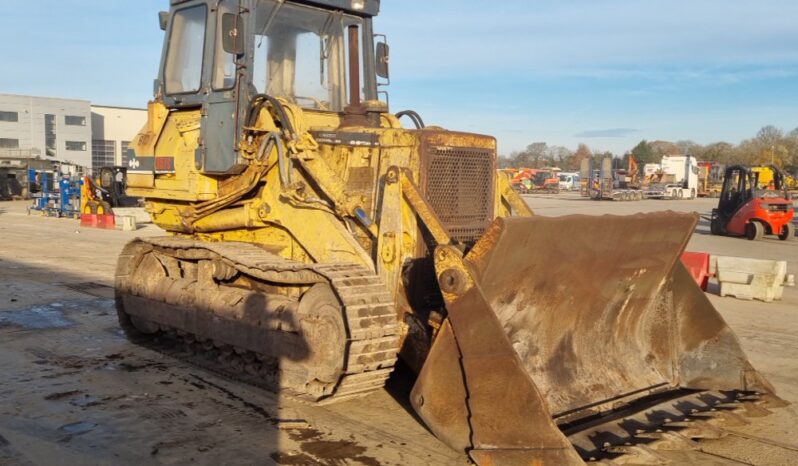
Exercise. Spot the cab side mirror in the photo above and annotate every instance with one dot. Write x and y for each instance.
(163, 19)
(233, 34)
(383, 53)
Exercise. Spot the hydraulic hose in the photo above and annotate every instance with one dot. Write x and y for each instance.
(258, 102)
(414, 117)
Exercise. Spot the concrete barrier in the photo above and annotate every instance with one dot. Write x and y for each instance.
(126, 222)
(748, 279)
(139, 213)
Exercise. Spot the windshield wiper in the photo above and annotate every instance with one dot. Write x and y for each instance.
(326, 40)
(270, 20)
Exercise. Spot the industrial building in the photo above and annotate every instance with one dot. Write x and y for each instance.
(112, 129)
(66, 130)
(36, 132)
(50, 128)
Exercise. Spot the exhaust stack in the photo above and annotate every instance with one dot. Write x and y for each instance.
(355, 112)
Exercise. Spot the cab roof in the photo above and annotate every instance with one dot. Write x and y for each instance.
(370, 7)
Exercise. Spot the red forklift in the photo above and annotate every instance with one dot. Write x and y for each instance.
(753, 209)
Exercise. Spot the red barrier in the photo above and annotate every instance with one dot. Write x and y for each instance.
(88, 220)
(697, 263)
(106, 221)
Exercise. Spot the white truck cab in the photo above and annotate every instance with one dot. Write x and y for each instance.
(569, 181)
(684, 169)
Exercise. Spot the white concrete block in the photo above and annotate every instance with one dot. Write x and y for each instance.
(139, 213)
(748, 279)
(126, 222)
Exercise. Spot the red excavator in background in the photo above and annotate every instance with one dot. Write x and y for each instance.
(753, 209)
(528, 180)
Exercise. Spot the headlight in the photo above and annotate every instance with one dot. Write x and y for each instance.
(358, 4)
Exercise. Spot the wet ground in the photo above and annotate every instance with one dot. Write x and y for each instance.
(74, 391)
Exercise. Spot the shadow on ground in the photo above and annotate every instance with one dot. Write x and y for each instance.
(76, 391)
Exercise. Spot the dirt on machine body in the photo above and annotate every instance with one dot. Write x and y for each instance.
(315, 241)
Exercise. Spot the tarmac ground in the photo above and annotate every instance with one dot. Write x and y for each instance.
(74, 391)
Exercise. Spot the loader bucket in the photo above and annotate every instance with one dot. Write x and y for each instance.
(557, 319)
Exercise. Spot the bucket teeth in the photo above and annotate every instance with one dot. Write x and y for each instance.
(676, 429)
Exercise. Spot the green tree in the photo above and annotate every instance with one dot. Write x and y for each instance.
(644, 153)
(721, 152)
(536, 154)
(558, 156)
(663, 148)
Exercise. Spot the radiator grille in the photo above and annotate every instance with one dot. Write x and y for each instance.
(459, 187)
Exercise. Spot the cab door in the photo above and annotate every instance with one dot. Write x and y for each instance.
(198, 74)
(223, 109)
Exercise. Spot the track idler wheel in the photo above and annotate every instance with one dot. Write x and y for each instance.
(147, 272)
(322, 328)
(135, 328)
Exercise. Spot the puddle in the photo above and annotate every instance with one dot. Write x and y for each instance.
(77, 428)
(36, 318)
(330, 451)
(53, 315)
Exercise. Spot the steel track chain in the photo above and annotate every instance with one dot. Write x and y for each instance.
(367, 310)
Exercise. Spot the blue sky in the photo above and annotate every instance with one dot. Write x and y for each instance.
(606, 73)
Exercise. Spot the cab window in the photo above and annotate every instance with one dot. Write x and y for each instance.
(224, 72)
(183, 71)
(301, 54)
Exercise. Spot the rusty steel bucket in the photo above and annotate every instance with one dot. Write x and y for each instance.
(553, 319)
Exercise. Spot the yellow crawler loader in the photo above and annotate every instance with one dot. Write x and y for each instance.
(314, 241)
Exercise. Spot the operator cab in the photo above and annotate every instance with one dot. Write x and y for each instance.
(220, 54)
